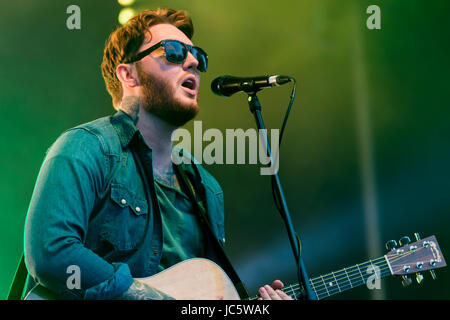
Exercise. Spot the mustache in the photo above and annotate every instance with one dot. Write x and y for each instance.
(158, 98)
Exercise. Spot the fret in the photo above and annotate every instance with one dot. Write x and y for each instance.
(354, 276)
(375, 270)
(384, 266)
(369, 270)
(331, 284)
(362, 277)
(386, 261)
(343, 280)
(347, 278)
(319, 290)
(292, 294)
(311, 282)
(325, 285)
(286, 290)
(337, 283)
(349, 281)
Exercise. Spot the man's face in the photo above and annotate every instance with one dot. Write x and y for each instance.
(168, 90)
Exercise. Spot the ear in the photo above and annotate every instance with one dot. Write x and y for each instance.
(126, 73)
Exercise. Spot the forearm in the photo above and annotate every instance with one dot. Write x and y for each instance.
(141, 291)
(94, 277)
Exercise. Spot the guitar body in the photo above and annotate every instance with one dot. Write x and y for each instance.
(193, 279)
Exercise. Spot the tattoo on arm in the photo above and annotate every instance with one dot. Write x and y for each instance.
(141, 291)
(130, 105)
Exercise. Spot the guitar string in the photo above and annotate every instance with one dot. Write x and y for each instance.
(354, 274)
(319, 283)
(322, 289)
(328, 291)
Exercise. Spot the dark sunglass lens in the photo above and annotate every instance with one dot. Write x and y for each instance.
(201, 57)
(175, 51)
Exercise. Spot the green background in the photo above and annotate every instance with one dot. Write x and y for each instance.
(50, 81)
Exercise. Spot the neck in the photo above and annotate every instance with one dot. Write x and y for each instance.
(157, 133)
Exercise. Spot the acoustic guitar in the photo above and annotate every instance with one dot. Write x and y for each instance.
(202, 279)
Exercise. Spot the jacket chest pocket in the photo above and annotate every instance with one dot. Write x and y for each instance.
(127, 218)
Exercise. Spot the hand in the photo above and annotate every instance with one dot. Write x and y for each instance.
(273, 293)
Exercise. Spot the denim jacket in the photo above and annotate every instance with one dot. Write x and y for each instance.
(90, 212)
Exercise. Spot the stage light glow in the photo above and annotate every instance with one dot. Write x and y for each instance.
(125, 14)
(125, 2)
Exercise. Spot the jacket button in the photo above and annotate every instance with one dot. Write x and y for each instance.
(138, 209)
(123, 201)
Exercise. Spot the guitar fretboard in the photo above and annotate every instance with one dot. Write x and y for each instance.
(335, 282)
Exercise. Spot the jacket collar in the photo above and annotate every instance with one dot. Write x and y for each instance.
(125, 127)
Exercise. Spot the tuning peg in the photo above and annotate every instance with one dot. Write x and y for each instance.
(391, 245)
(404, 241)
(433, 274)
(417, 236)
(419, 277)
(406, 281)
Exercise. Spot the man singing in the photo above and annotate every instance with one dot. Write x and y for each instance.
(108, 198)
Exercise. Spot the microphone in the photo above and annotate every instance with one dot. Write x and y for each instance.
(228, 85)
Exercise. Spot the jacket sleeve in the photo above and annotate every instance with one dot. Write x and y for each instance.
(66, 191)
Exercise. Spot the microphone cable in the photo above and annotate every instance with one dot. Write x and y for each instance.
(275, 194)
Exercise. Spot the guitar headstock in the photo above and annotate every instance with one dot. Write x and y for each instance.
(416, 257)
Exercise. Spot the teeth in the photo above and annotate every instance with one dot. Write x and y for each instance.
(188, 84)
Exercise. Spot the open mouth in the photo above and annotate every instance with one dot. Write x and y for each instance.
(190, 84)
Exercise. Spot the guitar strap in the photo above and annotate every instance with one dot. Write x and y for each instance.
(18, 284)
(188, 186)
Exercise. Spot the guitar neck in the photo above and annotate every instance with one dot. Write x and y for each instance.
(351, 277)
(344, 279)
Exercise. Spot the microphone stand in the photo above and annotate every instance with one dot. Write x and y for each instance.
(255, 108)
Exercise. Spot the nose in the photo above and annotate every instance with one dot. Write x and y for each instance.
(190, 63)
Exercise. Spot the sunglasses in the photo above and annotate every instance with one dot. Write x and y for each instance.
(176, 52)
